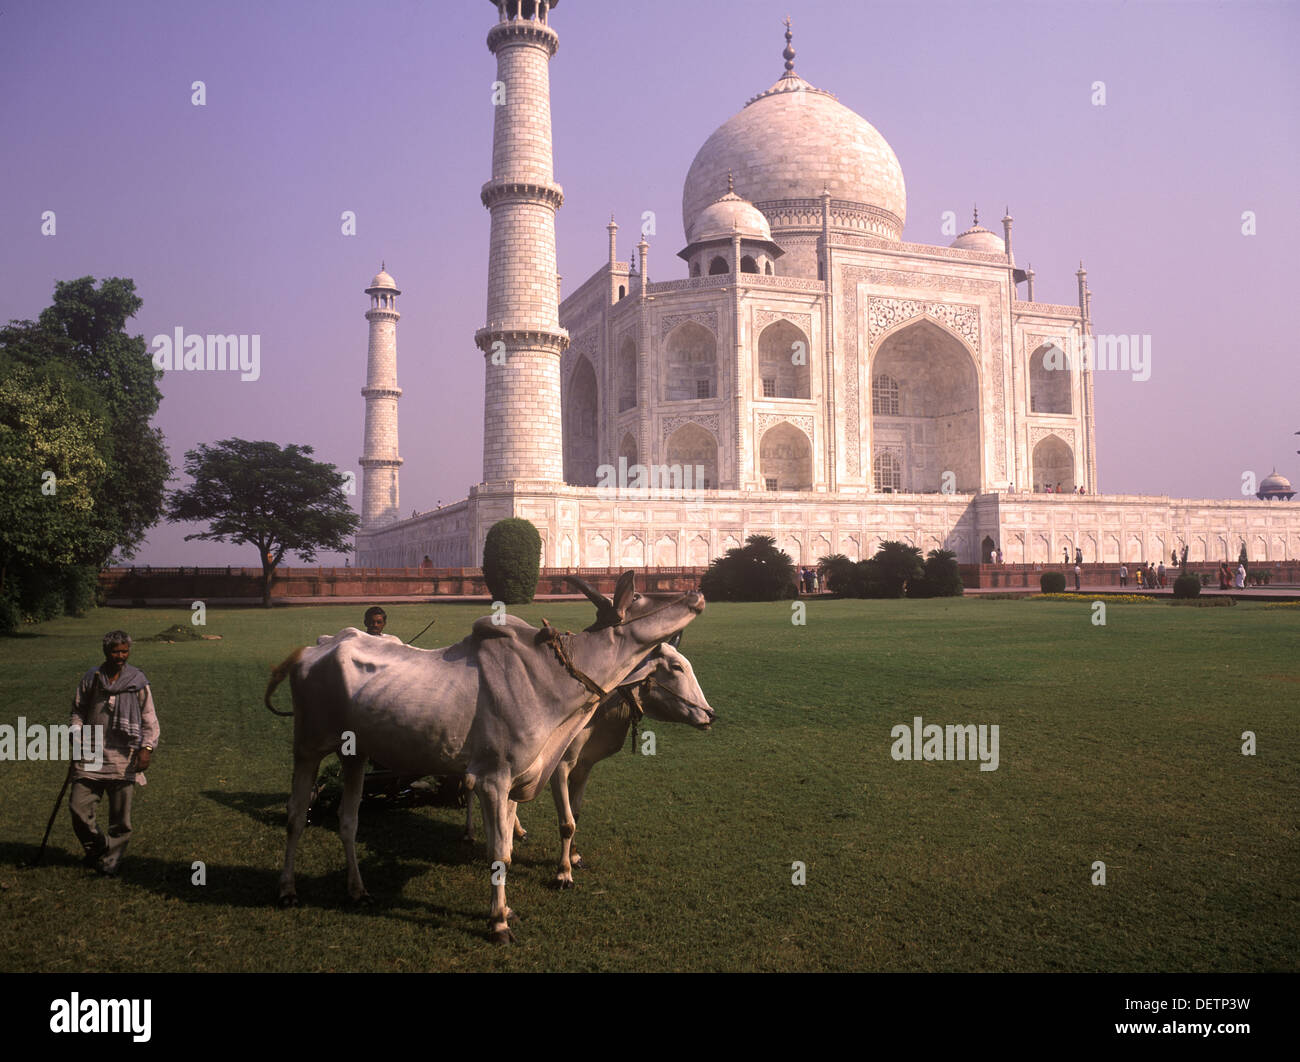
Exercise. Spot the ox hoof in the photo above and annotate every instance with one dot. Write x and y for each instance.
(502, 936)
(287, 901)
(577, 863)
(562, 883)
(364, 900)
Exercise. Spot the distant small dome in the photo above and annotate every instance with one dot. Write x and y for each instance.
(384, 281)
(729, 214)
(978, 238)
(1275, 486)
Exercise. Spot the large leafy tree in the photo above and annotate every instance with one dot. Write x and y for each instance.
(255, 493)
(82, 337)
(52, 466)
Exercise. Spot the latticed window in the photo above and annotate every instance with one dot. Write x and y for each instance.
(888, 471)
(769, 387)
(884, 395)
(703, 389)
(769, 483)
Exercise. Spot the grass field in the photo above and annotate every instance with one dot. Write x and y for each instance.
(1120, 743)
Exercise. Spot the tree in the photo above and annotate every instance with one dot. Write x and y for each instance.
(53, 469)
(757, 571)
(942, 577)
(278, 500)
(897, 564)
(836, 571)
(82, 337)
(512, 554)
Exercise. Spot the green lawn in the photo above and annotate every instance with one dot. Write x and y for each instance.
(1120, 743)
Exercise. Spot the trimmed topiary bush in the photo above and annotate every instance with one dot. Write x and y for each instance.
(512, 557)
(756, 571)
(1052, 582)
(1187, 586)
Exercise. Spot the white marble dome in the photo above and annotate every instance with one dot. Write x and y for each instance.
(724, 216)
(383, 280)
(791, 142)
(979, 238)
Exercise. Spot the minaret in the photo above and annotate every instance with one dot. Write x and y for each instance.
(522, 340)
(379, 463)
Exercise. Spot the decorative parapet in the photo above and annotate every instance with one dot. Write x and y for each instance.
(1044, 309)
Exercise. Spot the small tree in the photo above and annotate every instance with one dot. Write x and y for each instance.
(756, 571)
(836, 571)
(1241, 557)
(278, 500)
(942, 576)
(898, 565)
(512, 557)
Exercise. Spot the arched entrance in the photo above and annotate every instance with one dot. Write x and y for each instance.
(931, 415)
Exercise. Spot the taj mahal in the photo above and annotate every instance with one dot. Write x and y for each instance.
(828, 383)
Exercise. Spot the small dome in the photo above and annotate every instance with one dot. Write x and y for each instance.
(1275, 486)
(978, 238)
(384, 281)
(731, 213)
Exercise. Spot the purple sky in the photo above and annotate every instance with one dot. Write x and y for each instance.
(227, 216)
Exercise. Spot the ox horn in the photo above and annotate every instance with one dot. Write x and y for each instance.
(594, 596)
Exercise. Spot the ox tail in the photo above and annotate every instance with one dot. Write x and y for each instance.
(278, 674)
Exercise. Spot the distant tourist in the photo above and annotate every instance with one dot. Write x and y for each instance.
(1240, 584)
(1065, 555)
(1160, 575)
(998, 556)
(1078, 556)
(1123, 575)
(1139, 577)
(1173, 558)
(1078, 573)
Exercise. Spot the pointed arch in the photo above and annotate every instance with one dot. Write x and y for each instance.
(784, 354)
(691, 369)
(580, 421)
(785, 458)
(937, 429)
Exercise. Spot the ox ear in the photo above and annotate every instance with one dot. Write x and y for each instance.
(623, 592)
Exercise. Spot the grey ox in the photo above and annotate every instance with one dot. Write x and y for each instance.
(664, 688)
(500, 707)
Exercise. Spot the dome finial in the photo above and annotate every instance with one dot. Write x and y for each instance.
(977, 215)
(788, 54)
(731, 184)
(383, 268)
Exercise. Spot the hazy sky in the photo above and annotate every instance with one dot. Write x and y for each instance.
(227, 216)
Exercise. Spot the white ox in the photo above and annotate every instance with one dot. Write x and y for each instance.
(664, 688)
(500, 707)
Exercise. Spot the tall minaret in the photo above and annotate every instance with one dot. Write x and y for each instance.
(522, 340)
(379, 462)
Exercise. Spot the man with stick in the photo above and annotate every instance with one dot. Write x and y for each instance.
(116, 696)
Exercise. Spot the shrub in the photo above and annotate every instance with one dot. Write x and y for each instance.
(942, 576)
(512, 556)
(836, 571)
(1187, 586)
(897, 564)
(756, 571)
(1052, 582)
